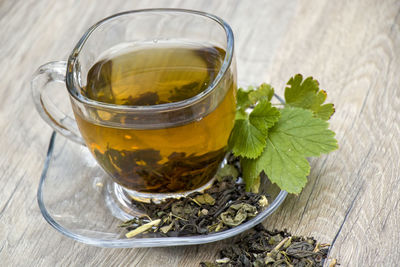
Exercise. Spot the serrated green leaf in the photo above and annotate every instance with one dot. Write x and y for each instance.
(288, 169)
(263, 92)
(298, 130)
(242, 98)
(306, 94)
(264, 116)
(248, 137)
(325, 111)
(241, 115)
(294, 137)
(285, 168)
(246, 140)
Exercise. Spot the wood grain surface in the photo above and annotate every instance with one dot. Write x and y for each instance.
(353, 195)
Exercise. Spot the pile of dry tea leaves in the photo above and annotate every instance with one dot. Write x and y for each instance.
(260, 247)
(226, 204)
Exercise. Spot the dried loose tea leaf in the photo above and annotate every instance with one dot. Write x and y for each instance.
(205, 199)
(227, 170)
(165, 229)
(237, 214)
(183, 210)
(260, 247)
(142, 228)
(263, 202)
(200, 213)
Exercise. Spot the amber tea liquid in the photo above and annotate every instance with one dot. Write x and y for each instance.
(174, 159)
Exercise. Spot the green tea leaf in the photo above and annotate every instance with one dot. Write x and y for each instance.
(299, 131)
(263, 92)
(264, 116)
(248, 137)
(242, 98)
(294, 137)
(165, 229)
(246, 140)
(238, 213)
(306, 94)
(143, 228)
(205, 199)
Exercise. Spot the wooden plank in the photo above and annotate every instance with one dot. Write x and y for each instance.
(353, 48)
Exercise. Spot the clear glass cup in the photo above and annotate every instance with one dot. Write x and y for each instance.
(166, 122)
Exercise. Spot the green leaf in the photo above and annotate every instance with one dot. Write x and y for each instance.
(294, 137)
(298, 130)
(241, 115)
(246, 140)
(306, 94)
(263, 92)
(248, 137)
(286, 169)
(250, 172)
(264, 116)
(243, 100)
(250, 96)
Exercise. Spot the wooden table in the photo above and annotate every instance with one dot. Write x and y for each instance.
(352, 199)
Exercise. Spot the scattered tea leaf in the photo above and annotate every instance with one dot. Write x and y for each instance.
(227, 170)
(204, 211)
(182, 210)
(142, 228)
(165, 229)
(237, 214)
(200, 213)
(264, 248)
(205, 199)
(263, 202)
(224, 260)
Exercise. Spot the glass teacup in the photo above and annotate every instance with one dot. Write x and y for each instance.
(153, 95)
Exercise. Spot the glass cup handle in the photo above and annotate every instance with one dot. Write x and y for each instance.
(58, 120)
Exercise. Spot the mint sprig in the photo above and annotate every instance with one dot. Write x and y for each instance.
(278, 141)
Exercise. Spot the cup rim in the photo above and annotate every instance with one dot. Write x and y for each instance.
(72, 85)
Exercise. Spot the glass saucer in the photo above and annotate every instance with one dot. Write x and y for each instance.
(75, 197)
